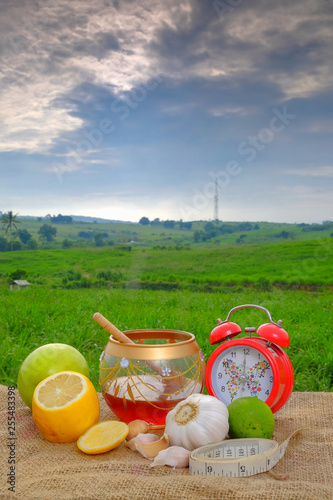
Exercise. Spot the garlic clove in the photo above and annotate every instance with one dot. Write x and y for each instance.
(175, 456)
(139, 440)
(137, 427)
(152, 449)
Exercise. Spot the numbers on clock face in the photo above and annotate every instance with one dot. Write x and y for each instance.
(241, 371)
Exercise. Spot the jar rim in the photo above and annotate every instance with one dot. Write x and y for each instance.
(183, 344)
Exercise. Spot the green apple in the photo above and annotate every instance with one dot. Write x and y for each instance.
(45, 361)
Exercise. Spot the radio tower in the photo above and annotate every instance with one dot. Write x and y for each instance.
(216, 202)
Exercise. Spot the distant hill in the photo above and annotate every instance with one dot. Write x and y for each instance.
(79, 218)
(85, 231)
(83, 218)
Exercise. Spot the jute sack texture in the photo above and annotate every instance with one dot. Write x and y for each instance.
(45, 470)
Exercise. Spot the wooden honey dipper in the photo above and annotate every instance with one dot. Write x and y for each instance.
(109, 327)
(123, 339)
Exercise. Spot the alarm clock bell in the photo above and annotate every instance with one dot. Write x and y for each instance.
(273, 332)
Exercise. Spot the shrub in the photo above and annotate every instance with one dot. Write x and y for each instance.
(32, 244)
(113, 276)
(73, 275)
(66, 243)
(19, 274)
(264, 285)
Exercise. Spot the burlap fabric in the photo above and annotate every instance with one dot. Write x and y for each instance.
(46, 470)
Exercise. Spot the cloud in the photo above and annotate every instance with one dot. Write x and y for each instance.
(324, 171)
(291, 41)
(47, 57)
(228, 110)
(66, 65)
(50, 49)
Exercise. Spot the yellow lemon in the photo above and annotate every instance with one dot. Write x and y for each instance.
(64, 406)
(103, 437)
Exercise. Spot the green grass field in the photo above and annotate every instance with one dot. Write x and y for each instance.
(171, 286)
(198, 269)
(40, 315)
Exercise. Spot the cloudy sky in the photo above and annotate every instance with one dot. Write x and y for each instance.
(122, 109)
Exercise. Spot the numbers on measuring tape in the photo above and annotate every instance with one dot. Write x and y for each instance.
(255, 456)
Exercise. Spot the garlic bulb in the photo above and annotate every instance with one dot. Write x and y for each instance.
(197, 421)
(175, 456)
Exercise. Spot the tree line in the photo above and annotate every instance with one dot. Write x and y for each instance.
(10, 224)
(60, 219)
(20, 239)
(170, 224)
(212, 230)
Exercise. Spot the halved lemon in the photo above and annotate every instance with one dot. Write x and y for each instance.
(64, 406)
(103, 437)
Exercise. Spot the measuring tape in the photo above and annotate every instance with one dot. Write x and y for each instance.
(237, 457)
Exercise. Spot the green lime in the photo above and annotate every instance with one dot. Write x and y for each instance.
(249, 417)
(45, 361)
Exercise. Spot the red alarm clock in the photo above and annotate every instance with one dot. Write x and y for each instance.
(250, 366)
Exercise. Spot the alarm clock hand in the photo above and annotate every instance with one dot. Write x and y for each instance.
(243, 378)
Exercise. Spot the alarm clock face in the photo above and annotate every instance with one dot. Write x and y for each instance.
(241, 370)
